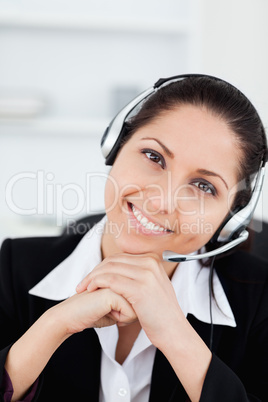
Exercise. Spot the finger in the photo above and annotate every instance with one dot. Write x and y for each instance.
(121, 310)
(120, 266)
(110, 308)
(132, 272)
(126, 287)
(81, 287)
(119, 262)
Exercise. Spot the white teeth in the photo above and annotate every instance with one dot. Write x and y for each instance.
(150, 226)
(145, 222)
(138, 216)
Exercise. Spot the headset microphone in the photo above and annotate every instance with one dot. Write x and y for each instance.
(171, 256)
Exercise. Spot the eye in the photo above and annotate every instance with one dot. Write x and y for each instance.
(155, 157)
(205, 187)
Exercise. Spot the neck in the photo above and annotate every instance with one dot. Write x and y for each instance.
(127, 336)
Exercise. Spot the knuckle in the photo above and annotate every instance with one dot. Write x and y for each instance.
(111, 278)
(148, 276)
(112, 264)
(152, 262)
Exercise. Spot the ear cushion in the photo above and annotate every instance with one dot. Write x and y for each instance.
(113, 153)
(222, 229)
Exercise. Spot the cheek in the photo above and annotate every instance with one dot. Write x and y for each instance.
(111, 193)
(117, 187)
(201, 221)
(123, 182)
(189, 202)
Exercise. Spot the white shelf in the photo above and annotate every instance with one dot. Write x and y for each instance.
(81, 22)
(55, 126)
(13, 228)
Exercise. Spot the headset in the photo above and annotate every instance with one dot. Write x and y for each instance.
(233, 230)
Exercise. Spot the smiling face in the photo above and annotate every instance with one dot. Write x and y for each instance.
(169, 188)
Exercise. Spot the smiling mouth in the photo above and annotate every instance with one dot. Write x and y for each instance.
(146, 223)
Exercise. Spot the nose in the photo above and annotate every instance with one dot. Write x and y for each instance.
(159, 197)
(171, 196)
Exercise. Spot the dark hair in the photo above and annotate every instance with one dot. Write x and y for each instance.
(223, 100)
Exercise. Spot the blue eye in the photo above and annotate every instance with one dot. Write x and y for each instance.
(205, 187)
(155, 157)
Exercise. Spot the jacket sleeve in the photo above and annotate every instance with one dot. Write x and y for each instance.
(7, 390)
(222, 384)
(10, 329)
(250, 385)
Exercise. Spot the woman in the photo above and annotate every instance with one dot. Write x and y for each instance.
(137, 327)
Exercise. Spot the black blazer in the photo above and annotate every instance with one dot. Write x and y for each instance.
(239, 368)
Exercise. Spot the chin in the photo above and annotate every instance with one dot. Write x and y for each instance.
(136, 246)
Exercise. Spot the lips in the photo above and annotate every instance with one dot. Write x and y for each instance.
(146, 223)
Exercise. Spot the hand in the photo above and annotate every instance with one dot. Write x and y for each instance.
(98, 309)
(30, 353)
(142, 281)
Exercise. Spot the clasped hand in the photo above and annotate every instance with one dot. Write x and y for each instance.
(122, 289)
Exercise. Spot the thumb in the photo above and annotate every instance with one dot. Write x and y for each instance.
(121, 309)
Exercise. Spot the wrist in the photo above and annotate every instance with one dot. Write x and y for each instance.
(30, 353)
(172, 330)
(54, 321)
(189, 356)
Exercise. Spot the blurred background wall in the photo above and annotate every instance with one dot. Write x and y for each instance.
(67, 66)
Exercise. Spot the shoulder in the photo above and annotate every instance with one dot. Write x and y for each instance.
(243, 266)
(28, 260)
(245, 280)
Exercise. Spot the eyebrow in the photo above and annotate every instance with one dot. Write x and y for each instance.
(166, 150)
(201, 171)
(209, 173)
